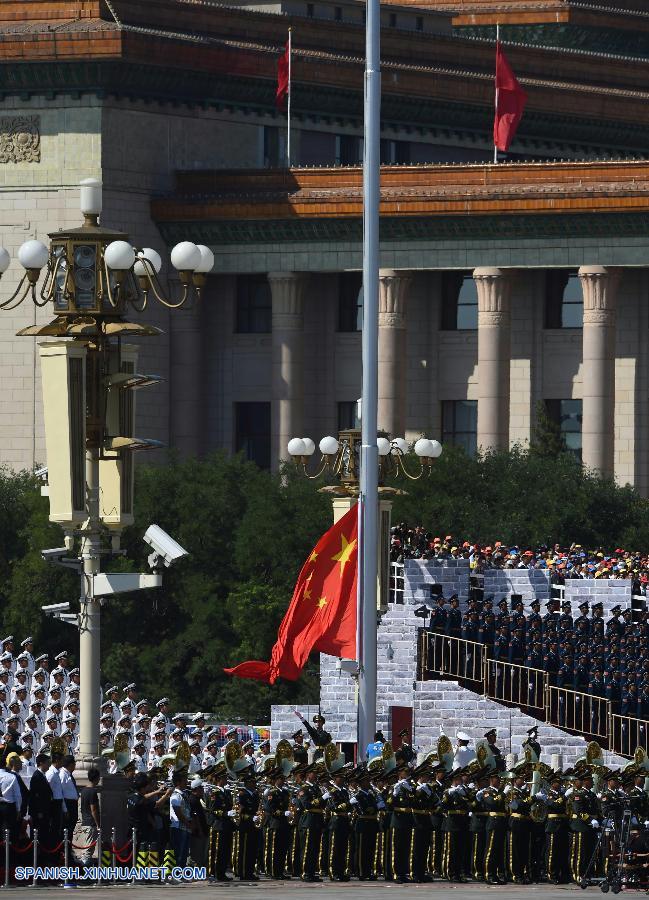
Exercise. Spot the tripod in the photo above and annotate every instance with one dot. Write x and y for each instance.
(614, 876)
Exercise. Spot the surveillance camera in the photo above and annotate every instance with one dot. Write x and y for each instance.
(166, 550)
(56, 608)
(41, 473)
(54, 554)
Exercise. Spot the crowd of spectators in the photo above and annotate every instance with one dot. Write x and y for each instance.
(563, 563)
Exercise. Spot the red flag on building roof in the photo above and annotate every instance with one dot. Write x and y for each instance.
(510, 102)
(283, 76)
(322, 612)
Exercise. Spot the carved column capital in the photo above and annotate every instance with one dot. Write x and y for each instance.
(599, 287)
(494, 290)
(287, 291)
(393, 293)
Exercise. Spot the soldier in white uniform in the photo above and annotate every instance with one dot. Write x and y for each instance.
(14, 713)
(196, 758)
(7, 665)
(164, 708)
(157, 752)
(61, 660)
(22, 665)
(58, 679)
(130, 696)
(463, 753)
(138, 756)
(43, 662)
(40, 680)
(210, 753)
(7, 646)
(27, 648)
(74, 682)
(112, 695)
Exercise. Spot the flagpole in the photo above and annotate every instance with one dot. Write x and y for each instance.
(369, 495)
(496, 104)
(288, 105)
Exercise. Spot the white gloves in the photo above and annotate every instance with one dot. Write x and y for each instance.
(287, 813)
(354, 801)
(594, 823)
(232, 813)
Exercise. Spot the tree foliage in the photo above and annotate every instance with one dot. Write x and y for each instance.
(248, 534)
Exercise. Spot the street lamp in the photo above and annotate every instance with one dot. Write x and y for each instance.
(345, 457)
(92, 277)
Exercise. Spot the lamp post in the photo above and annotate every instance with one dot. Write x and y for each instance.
(92, 276)
(345, 458)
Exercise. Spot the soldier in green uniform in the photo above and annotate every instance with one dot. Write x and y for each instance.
(222, 829)
(365, 804)
(339, 809)
(276, 809)
(248, 803)
(494, 803)
(584, 822)
(519, 831)
(311, 808)
(437, 823)
(557, 835)
(455, 809)
(477, 830)
(424, 804)
(402, 826)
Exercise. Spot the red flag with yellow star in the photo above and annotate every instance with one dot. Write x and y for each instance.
(322, 612)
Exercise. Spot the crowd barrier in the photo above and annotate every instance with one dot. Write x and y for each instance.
(443, 656)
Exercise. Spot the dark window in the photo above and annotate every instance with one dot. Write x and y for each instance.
(350, 301)
(273, 147)
(317, 148)
(567, 415)
(309, 10)
(460, 424)
(338, 14)
(395, 152)
(254, 305)
(252, 432)
(347, 415)
(349, 150)
(393, 20)
(419, 23)
(459, 302)
(564, 302)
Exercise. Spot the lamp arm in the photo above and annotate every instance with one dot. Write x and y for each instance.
(154, 283)
(17, 297)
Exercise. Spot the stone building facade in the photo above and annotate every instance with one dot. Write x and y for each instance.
(503, 287)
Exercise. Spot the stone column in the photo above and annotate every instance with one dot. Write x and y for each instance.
(186, 377)
(287, 289)
(494, 287)
(393, 293)
(599, 286)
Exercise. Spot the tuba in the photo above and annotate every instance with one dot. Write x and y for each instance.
(388, 757)
(284, 758)
(445, 752)
(120, 751)
(538, 811)
(333, 758)
(182, 757)
(234, 759)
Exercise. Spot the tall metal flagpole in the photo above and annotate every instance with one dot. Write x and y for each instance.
(496, 80)
(369, 499)
(288, 104)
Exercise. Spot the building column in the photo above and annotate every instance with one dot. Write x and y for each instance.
(599, 286)
(287, 289)
(393, 293)
(494, 288)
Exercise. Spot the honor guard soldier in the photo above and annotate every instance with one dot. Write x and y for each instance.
(300, 754)
(439, 615)
(276, 808)
(61, 660)
(531, 741)
(405, 753)
(455, 809)
(223, 826)
(248, 809)
(453, 625)
(499, 759)
(339, 809)
(557, 834)
(477, 830)
(365, 804)
(494, 803)
(311, 809)
(27, 648)
(583, 617)
(402, 827)
(584, 822)
(520, 803)
(318, 735)
(130, 696)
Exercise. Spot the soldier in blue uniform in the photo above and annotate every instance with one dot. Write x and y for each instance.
(438, 618)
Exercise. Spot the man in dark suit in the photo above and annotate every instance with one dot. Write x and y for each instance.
(40, 802)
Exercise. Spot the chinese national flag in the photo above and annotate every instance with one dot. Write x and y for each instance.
(510, 102)
(322, 612)
(283, 85)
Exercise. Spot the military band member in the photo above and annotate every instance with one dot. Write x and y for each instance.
(519, 831)
(584, 822)
(223, 827)
(477, 830)
(437, 821)
(276, 807)
(495, 804)
(402, 825)
(424, 805)
(455, 809)
(318, 735)
(339, 809)
(366, 804)
(248, 804)
(300, 754)
(491, 737)
(311, 809)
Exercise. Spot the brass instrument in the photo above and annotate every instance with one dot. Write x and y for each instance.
(234, 758)
(284, 758)
(445, 752)
(538, 811)
(333, 758)
(388, 757)
(119, 752)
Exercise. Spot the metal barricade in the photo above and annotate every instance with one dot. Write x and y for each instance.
(578, 712)
(456, 657)
(396, 587)
(516, 685)
(626, 733)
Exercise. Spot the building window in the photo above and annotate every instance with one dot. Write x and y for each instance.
(252, 432)
(419, 23)
(309, 10)
(338, 13)
(350, 301)
(393, 20)
(460, 424)
(564, 301)
(566, 414)
(459, 302)
(254, 305)
(347, 415)
(349, 150)
(274, 147)
(395, 152)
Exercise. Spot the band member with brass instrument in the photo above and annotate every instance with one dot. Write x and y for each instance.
(339, 809)
(491, 737)
(311, 808)
(424, 805)
(455, 808)
(557, 834)
(300, 753)
(494, 802)
(248, 813)
(477, 830)
(223, 828)
(520, 803)
(276, 807)
(402, 827)
(584, 823)
(365, 804)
